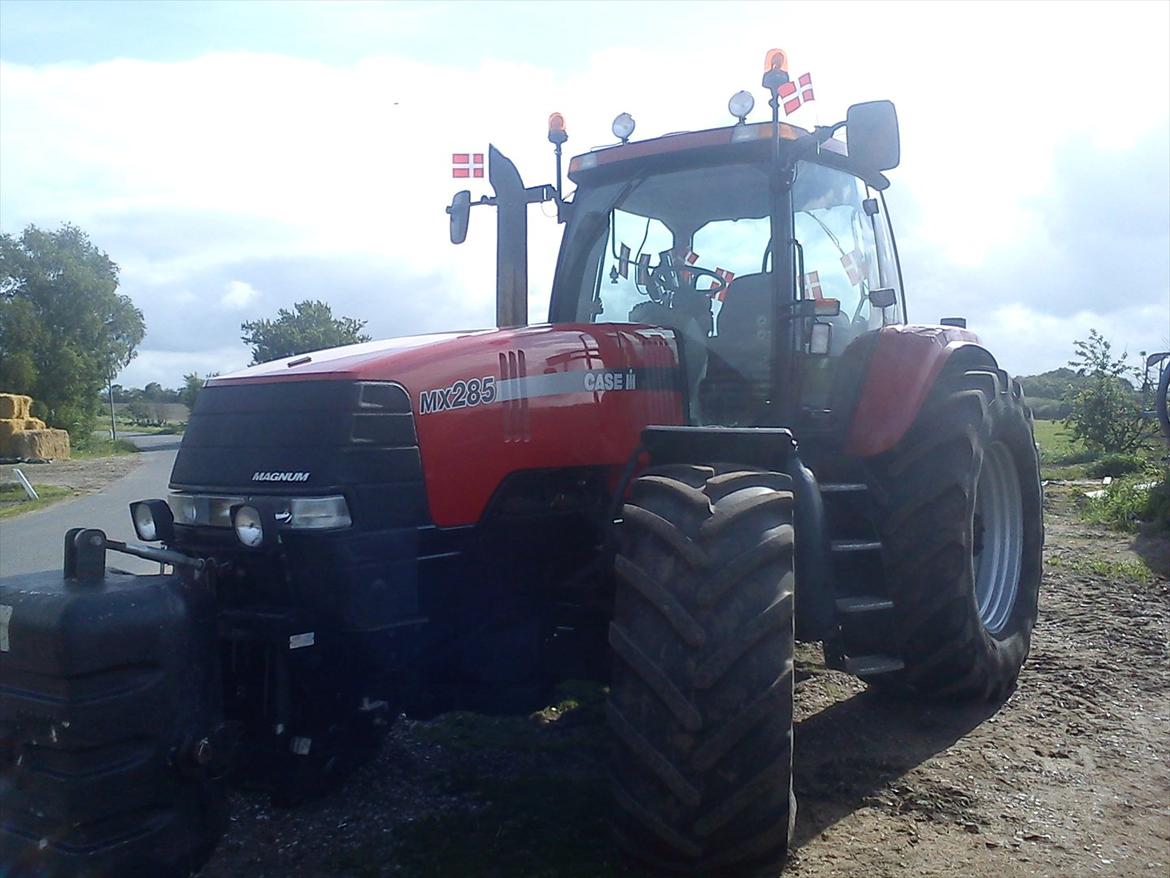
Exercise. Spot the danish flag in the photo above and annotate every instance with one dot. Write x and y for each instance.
(727, 277)
(643, 276)
(812, 283)
(624, 261)
(854, 262)
(689, 257)
(466, 164)
(796, 93)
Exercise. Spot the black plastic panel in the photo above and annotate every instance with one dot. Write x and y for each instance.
(353, 438)
(104, 689)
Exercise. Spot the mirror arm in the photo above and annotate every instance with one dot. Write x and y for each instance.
(824, 132)
(545, 193)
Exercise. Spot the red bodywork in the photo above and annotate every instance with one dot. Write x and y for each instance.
(552, 423)
(901, 373)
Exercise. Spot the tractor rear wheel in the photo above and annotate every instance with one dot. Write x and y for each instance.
(960, 520)
(700, 702)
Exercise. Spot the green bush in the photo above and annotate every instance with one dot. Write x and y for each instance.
(1049, 409)
(1129, 502)
(1115, 465)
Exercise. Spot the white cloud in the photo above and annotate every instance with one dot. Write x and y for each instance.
(318, 180)
(163, 366)
(239, 295)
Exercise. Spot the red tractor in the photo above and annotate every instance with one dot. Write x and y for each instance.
(726, 437)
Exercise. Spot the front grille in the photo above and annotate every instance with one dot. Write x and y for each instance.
(355, 438)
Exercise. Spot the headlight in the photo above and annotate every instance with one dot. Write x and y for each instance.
(203, 510)
(248, 525)
(314, 513)
(290, 513)
(153, 520)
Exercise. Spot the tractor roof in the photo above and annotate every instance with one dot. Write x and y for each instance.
(748, 137)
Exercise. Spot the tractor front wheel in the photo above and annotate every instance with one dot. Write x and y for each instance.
(700, 701)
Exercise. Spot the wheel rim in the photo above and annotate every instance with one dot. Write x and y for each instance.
(999, 537)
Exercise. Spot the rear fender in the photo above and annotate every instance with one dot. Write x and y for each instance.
(902, 371)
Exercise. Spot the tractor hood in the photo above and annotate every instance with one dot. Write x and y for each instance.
(458, 411)
(372, 360)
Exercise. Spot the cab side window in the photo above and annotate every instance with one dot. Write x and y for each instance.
(841, 259)
(632, 239)
(887, 262)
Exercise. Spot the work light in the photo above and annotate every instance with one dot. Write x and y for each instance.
(248, 525)
(152, 520)
(623, 127)
(740, 105)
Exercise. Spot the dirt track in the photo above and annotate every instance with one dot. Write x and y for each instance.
(1071, 777)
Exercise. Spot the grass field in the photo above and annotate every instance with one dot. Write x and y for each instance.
(14, 502)
(96, 447)
(1061, 457)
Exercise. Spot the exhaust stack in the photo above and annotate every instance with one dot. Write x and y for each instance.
(511, 240)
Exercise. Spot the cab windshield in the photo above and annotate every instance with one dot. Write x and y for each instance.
(690, 250)
(712, 226)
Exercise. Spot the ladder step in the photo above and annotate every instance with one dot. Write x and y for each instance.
(864, 604)
(855, 545)
(868, 665)
(842, 487)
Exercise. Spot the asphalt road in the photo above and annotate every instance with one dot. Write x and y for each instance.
(33, 541)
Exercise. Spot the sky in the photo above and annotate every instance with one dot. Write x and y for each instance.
(236, 157)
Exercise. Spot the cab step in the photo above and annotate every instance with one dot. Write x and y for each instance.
(843, 487)
(842, 546)
(863, 604)
(869, 665)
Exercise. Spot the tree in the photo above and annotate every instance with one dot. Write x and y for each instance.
(64, 328)
(312, 328)
(192, 384)
(1106, 413)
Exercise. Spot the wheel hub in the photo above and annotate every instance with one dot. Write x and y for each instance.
(999, 541)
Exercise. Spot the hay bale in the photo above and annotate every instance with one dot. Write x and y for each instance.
(34, 424)
(41, 444)
(13, 406)
(9, 427)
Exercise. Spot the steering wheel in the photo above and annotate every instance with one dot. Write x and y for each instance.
(666, 281)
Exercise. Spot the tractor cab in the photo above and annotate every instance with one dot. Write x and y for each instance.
(678, 232)
(765, 248)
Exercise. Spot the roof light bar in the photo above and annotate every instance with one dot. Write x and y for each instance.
(681, 142)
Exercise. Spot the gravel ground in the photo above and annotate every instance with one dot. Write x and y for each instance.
(1071, 777)
(82, 476)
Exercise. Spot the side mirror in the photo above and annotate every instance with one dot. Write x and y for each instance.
(872, 135)
(460, 213)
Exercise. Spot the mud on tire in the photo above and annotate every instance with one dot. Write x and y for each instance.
(700, 704)
(962, 630)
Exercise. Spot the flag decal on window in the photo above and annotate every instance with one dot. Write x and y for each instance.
(727, 277)
(854, 265)
(812, 285)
